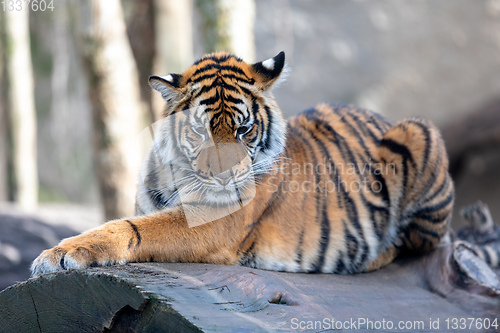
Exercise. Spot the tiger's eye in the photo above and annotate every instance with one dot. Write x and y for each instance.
(199, 129)
(243, 129)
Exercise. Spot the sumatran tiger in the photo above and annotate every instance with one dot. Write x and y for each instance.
(337, 189)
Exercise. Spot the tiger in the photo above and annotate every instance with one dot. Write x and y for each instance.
(336, 189)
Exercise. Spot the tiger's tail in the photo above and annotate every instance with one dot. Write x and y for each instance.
(490, 253)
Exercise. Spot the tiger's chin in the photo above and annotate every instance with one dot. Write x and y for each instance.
(231, 193)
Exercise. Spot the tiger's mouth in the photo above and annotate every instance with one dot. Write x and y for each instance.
(235, 186)
(226, 181)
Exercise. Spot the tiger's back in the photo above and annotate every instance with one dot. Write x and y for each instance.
(351, 192)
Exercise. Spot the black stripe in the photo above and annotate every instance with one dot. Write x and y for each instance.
(152, 186)
(137, 234)
(251, 140)
(211, 100)
(384, 192)
(225, 75)
(351, 244)
(234, 100)
(432, 218)
(237, 78)
(427, 143)
(266, 143)
(220, 68)
(300, 248)
(352, 212)
(358, 135)
(443, 185)
(236, 110)
(313, 116)
(229, 87)
(157, 198)
(413, 226)
(258, 120)
(217, 58)
(325, 238)
(487, 257)
(397, 148)
(434, 172)
(248, 258)
(436, 207)
(175, 134)
(202, 77)
(406, 155)
(247, 92)
(175, 193)
(407, 237)
(384, 211)
(151, 182)
(204, 89)
(61, 262)
(380, 123)
(340, 265)
(362, 126)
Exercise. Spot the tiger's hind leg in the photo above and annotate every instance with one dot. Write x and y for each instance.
(383, 259)
(415, 167)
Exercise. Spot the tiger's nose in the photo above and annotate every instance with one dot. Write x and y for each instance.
(224, 178)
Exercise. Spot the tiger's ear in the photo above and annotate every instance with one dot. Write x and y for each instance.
(267, 72)
(168, 86)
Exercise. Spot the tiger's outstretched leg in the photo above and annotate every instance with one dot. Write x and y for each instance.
(420, 187)
(162, 237)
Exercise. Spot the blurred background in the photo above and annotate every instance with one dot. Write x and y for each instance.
(74, 94)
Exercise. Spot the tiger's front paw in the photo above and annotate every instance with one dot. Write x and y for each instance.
(72, 254)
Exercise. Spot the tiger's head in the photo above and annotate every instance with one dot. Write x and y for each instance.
(222, 128)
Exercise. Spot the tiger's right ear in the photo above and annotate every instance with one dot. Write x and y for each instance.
(168, 86)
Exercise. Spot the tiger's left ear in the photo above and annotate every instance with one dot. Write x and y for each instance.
(168, 86)
(267, 73)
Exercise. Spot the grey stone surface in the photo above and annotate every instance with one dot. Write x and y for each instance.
(23, 236)
(21, 240)
(239, 299)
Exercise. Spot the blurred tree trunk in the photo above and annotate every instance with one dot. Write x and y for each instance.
(115, 98)
(63, 170)
(141, 34)
(21, 107)
(174, 41)
(160, 34)
(228, 26)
